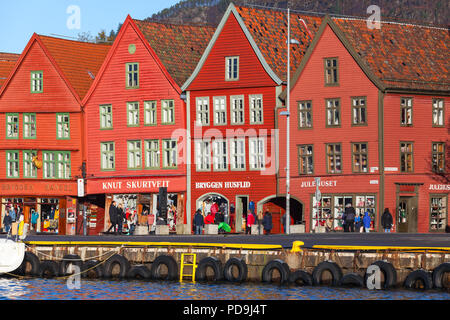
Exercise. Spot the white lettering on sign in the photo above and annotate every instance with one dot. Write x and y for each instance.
(373, 181)
(439, 187)
(223, 185)
(373, 169)
(322, 183)
(390, 169)
(132, 185)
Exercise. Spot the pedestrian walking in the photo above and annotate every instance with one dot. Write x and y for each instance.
(386, 221)
(267, 222)
(199, 223)
(132, 222)
(366, 222)
(250, 221)
(358, 223)
(120, 218)
(259, 220)
(113, 217)
(7, 222)
(151, 222)
(34, 219)
(349, 215)
(12, 213)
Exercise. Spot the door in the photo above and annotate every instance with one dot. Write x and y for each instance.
(407, 214)
(241, 211)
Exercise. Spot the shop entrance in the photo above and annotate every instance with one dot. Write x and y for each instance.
(241, 212)
(407, 214)
(205, 202)
(277, 208)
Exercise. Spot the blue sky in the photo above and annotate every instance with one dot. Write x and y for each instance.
(19, 19)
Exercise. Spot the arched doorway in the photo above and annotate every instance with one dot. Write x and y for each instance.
(276, 205)
(205, 202)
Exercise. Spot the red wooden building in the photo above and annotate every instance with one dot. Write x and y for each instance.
(136, 118)
(368, 110)
(231, 101)
(41, 129)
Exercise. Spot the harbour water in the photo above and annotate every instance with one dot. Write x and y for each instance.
(52, 289)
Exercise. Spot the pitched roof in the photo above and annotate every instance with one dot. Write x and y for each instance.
(268, 28)
(79, 61)
(402, 56)
(179, 47)
(7, 63)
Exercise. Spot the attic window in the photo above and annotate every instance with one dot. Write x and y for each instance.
(232, 68)
(37, 78)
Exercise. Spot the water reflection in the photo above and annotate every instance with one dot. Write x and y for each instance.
(48, 289)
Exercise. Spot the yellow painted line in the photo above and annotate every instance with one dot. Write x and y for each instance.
(336, 247)
(174, 244)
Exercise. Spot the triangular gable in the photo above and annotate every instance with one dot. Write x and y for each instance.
(231, 10)
(129, 22)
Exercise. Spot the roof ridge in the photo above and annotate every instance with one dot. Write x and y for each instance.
(77, 41)
(390, 22)
(175, 24)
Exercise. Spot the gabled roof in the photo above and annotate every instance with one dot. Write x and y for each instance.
(402, 56)
(7, 63)
(179, 47)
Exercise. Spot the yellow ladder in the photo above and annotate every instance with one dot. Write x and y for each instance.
(193, 265)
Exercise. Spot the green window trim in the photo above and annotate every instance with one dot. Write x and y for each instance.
(152, 154)
(106, 116)
(62, 126)
(172, 152)
(167, 112)
(133, 114)
(56, 165)
(29, 170)
(150, 113)
(37, 82)
(134, 149)
(29, 125)
(132, 75)
(105, 152)
(12, 126)
(12, 159)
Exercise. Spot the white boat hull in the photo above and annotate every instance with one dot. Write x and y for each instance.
(11, 255)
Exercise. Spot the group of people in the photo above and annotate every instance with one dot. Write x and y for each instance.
(117, 217)
(12, 214)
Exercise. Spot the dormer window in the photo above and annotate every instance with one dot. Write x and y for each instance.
(232, 68)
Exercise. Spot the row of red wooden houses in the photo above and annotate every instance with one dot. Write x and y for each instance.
(197, 110)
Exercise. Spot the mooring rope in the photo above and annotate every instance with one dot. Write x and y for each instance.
(56, 258)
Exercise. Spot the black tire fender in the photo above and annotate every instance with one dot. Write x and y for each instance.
(121, 261)
(92, 266)
(33, 260)
(282, 268)
(332, 267)
(438, 274)
(352, 280)
(419, 275)
(301, 277)
(68, 260)
(48, 269)
(171, 265)
(139, 273)
(389, 272)
(228, 270)
(212, 262)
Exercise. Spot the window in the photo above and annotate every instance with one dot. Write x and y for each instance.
(168, 112)
(438, 157)
(203, 111)
(304, 114)
(334, 158)
(132, 75)
(359, 157)
(256, 109)
(438, 212)
(220, 159)
(152, 154)
(29, 170)
(29, 126)
(150, 113)
(237, 154)
(37, 78)
(220, 111)
(106, 118)
(134, 154)
(237, 110)
(12, 164)
(12, 126)
(305, 159)
(108, 156)
(331, 71)
(406, 157)
(62, 126)
(169, 154)
(333, 107)
(256, 153)
(438, 112)
(133, 114)
(56, 165)
(203, 155)
(232, 68)
(406, 112)
(359, 111)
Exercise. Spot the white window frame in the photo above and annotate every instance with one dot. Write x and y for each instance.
(232, 68)
(237, 109)
(256, 111)
(202, 111)
(237, 154)
(203, 155)
(220, 156)
(220, 111)
(257, 153)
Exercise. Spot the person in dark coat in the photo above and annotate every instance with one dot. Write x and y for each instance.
(349, 215)
(198, 222)
(113, 217)
(120, 216)
(267, 222)
(387, 221)
(7, 222)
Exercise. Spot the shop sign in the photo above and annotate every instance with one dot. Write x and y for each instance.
(16, 187)
(135, 185)
(440, 187)
(373, 181)
(322, 183)
(391, 169)
(81, 187)
(223, 185)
